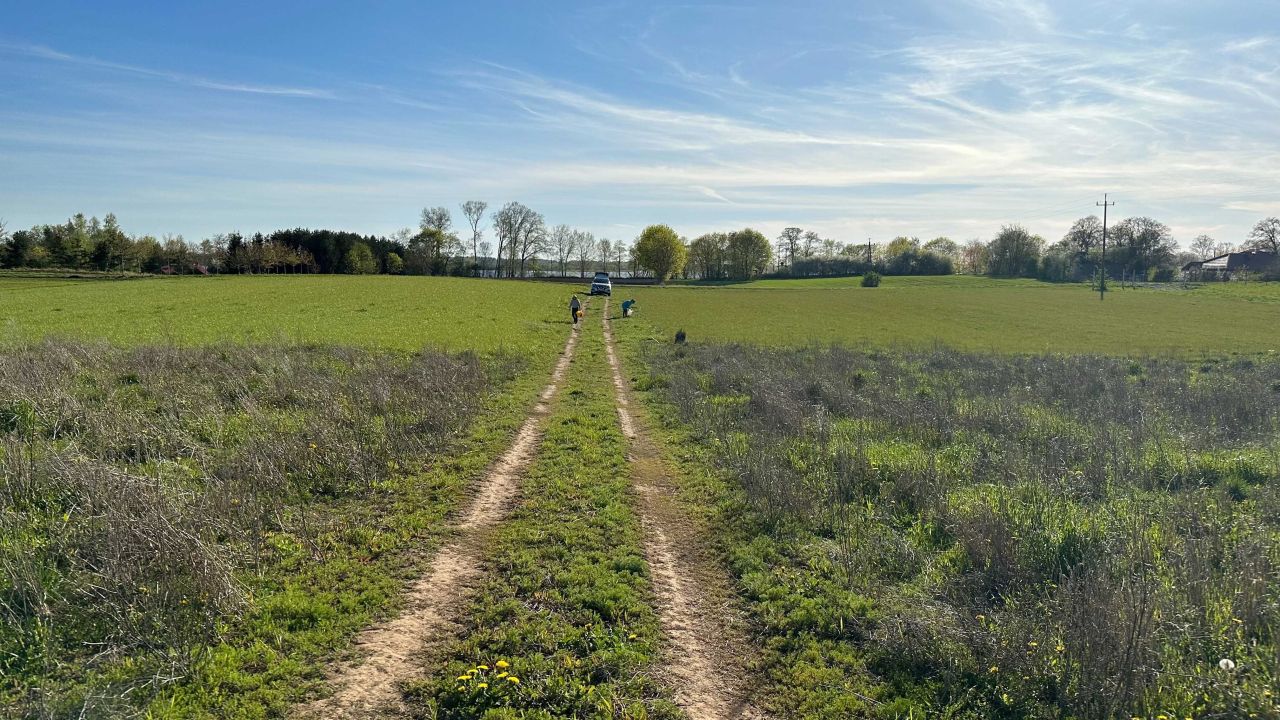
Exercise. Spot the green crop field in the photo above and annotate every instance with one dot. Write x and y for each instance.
(972, 313)
(406, 313)
(403, 313)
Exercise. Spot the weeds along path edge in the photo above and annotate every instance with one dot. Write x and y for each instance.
(391, 651)
(706, 658)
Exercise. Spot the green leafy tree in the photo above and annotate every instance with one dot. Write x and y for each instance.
(360, 260)
(16, 252)
(660, 251)
(1014, 252)
(395, 264)
(1084, 236)
(899, 245)
(944, 246)
(1143, 243)
(425, 254)
(111, 247)
(747, 254)
(707, 256)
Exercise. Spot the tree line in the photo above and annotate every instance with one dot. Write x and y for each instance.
(1139, 248)
(524, 245)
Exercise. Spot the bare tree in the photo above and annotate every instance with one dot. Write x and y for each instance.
(438, 218)
(563, 241)
(604, 251)
(474, 212)
(523, 233)
(586, 245)
(1085, 234)
(532, 242)
(1205, 247)
(810, 243)
(974, 257)
(789, 242)
(620, 253)
(403, 236)
(1266, 235)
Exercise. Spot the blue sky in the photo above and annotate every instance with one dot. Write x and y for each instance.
(856, 119)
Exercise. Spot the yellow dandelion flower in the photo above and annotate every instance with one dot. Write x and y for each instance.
(482, 667)
(632, 636)
(513, 679)
(502, 664)
(1060, 647)
(1162, 716)
(993, 669)
(1033, 643)
(981, 618)
(482, 686)
(463, 677)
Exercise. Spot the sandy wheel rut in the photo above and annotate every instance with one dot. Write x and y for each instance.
(394, 651)
(707, 653)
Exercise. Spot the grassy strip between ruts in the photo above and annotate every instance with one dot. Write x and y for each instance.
(564, 626)
(801, 673)
(308, 609)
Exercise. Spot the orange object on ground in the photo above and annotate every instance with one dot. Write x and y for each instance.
(581, 314)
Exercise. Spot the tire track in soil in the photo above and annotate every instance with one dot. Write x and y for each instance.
(395, 650)
(707, 651)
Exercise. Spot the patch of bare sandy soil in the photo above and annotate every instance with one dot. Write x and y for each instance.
(395, 651)
(707, 655)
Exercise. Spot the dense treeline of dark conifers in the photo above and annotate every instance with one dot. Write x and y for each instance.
(86, 243)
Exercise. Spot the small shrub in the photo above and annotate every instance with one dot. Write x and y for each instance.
(871, 279)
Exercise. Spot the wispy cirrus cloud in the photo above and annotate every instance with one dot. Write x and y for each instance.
(946, 118)
(47, 53)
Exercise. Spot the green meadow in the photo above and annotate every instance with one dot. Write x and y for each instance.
(919, 512)
(389, 312)
(406, 313)
(1020, 316)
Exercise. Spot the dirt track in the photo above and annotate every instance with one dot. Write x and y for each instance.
(706, 653)
(394, 651)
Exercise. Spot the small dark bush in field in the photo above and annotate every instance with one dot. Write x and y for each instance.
(1041, 536)
(871, 279)
(680, 337)
(138, 485)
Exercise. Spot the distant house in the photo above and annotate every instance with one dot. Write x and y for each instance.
(1231, 266)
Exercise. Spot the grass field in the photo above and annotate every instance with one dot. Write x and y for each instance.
(527, 317)
(946, 534)
(972, 313)
(403, 313)
(914, 530)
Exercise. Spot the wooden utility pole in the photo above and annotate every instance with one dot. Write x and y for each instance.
(1102, 273)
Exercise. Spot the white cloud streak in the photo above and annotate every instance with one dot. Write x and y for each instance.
(44, 53)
